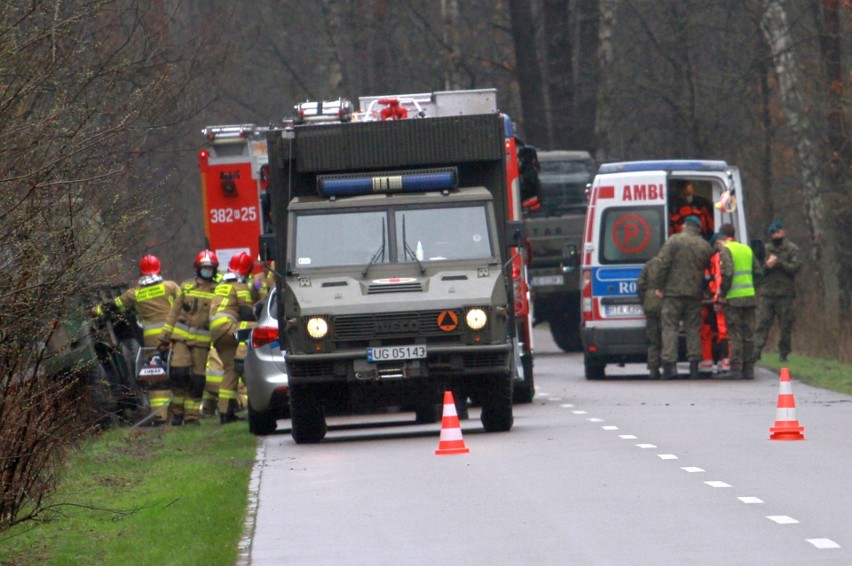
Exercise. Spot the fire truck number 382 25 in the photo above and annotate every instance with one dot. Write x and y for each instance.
(227, 215)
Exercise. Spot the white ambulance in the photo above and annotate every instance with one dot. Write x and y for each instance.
(630, 209)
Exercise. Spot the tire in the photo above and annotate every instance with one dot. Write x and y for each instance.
(496, 397)
(261, 424)
(565, 330)
(595, 369)
(427, 414)
(307, 417)
(524, 392)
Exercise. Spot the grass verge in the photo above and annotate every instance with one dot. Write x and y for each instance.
(826, 374)
(144, 496)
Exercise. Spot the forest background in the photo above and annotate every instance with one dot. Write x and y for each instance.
(102, 103)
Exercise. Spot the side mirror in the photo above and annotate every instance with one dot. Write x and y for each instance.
(570, 258)
(759, 249)
(266, 246)
(515, 234)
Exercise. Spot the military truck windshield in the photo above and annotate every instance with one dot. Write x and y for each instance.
(563, 186)
(344, 238)
(631, 234)
(435, 234)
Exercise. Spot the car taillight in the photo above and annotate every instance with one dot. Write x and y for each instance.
(263, 335)
(586, 295)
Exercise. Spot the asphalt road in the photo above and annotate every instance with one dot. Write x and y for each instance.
(620, 471)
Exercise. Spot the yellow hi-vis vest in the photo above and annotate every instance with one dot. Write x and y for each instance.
(742, 284)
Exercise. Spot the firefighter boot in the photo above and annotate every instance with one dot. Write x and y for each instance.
(230, 415)
(192, 402)
(693, 369)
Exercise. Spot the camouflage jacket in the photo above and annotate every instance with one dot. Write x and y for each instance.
(651, 303)
(779, 280)
(683, 260)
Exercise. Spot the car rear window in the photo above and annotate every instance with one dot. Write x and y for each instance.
(631, 234)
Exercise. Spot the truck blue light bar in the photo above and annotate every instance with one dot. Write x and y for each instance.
(663, 165)
(383, 182)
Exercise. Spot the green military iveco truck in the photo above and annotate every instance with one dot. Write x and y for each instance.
(564, 177)
(392, 243)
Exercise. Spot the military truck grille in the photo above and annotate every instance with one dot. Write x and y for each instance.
(310, 369)
(380, 325)
(483, 360)
(375, 289)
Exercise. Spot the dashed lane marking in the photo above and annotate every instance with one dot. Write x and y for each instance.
(580, 412)
(666, 456)
(823, 543)
(716, 483)
(595, 420)
(567, 405)
(627, 436)
(750, 499)
(610, 427)
(691, 469)
(782, 519)
(646, 445)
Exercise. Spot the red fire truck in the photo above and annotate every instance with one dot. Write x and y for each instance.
(233, 168)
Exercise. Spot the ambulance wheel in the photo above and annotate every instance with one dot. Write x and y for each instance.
(261, 424)
(595, 369)
(496, 398)
(307, 418)
(525, 391)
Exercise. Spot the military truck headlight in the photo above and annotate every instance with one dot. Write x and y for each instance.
(476, 319)
(317, 327)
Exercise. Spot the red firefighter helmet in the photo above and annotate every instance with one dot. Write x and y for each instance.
(241, 263)
(149, 265)
(206, 258)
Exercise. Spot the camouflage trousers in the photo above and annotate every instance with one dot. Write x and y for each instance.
(675, 310)
(740, 322)
(768, 309)
(654, 336)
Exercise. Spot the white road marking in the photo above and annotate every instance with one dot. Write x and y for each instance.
(691, 469)
(750, 499)
(610, 427)
(782, 519)
(667, 456)
(595, 420)
(579, 412)
(627, 436)
(646, 445)
(556, 399)
(716, 483)
(823, 543)
(567, 405)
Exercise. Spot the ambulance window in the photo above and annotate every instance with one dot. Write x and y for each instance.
(631, 234)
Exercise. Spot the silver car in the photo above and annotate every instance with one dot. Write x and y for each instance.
(265, 373)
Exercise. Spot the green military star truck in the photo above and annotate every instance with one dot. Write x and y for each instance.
(392, 244)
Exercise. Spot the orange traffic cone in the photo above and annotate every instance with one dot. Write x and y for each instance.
(786, 426)
(451, 435)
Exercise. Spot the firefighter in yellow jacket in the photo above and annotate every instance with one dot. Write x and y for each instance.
(215, 372)
(152, 300)
(187, 327)
(230, 311)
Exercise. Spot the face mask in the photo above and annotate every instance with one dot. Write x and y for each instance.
(207, 273)
(777, 241)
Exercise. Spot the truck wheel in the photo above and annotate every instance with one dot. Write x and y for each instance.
(565, 329)
(427, 414)
(524, 392)
(261, 424)
(595, 369)
(496, 398)
(307, 417)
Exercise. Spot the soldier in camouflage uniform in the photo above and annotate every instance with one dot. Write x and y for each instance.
(777, 290)
(738, 301)
(680, 283)
(652, 305)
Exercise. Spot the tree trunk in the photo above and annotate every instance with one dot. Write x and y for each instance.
(603, 119)
(528, 72)
(560, 73)
(777, 33)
